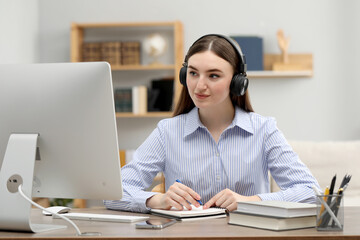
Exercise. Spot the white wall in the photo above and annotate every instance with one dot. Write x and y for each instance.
(324, 107)
(19, 31)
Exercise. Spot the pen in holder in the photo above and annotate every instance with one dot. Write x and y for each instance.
(330, 212)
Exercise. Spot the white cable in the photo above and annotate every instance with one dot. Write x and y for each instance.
(59, 215)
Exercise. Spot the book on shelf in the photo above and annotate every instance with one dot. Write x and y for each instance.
(130, 53)
(252, 48)
(114, 52)
(111, 52)
(153, 95)
(123, 99)
(277, 208)
(162, 91)
(270, 222)
(91, 51)
(189, 215)
(139, 100)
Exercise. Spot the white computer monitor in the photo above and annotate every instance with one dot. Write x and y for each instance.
(58, 136)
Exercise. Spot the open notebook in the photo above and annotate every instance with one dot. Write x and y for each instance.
(193, 214)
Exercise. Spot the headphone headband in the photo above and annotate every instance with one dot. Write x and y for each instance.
(239, 82)
(242, 65)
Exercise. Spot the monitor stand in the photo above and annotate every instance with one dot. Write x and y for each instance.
(18, 168)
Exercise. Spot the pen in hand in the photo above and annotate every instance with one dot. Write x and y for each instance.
(177, 180)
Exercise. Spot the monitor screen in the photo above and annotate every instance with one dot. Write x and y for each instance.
(70, 108)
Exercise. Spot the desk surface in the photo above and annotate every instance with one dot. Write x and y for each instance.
(201, 229)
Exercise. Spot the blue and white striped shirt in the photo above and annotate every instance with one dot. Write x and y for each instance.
(247, 150)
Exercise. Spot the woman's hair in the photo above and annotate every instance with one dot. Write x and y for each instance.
(226, 51)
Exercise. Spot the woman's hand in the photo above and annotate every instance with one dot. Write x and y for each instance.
(228, 199)
(177, 196)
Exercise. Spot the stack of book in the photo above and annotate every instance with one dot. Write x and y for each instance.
(115, 53)
(131, 99)
(274, 215)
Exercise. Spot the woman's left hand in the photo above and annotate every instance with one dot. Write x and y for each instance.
(228, 199)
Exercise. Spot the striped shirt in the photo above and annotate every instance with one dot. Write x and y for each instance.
(247, 150)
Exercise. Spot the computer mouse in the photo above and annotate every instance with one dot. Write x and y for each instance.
(56, 209)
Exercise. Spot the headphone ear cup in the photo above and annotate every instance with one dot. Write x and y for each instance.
(182, 75)
(239, 84)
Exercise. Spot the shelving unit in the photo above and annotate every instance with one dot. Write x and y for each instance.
(97, 32)
(84, 32)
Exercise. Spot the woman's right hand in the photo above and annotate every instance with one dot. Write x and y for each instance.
(177, 196)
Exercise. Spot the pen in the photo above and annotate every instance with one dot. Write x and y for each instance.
(331, 191)
(326, 196)
(328, 201)
(337, 206)
(345, 180)
(177, 180)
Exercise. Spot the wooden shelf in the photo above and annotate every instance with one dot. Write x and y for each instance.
(279, 74)
(141, 67)
(304, 60)
(123, 24)
(146, 115)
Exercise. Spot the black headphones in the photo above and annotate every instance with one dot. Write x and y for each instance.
(239, 82)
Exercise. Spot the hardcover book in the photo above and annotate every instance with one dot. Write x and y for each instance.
(130, 53)
(91, 51)
(123, 100)
(165, 93)
(271, 223)
(252, 48)
(111, 52)
(139, 99)
(277, 208)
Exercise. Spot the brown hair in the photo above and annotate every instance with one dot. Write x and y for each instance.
(226, 51)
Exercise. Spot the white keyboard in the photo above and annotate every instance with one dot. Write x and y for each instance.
(103, 217)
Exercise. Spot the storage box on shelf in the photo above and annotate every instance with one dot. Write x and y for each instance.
(303, 60)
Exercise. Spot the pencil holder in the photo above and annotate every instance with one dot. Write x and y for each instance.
(330, 212)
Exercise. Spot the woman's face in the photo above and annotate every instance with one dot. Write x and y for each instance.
(208, 80)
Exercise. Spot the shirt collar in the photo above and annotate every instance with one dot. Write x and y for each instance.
(192, 122)
(241, 120)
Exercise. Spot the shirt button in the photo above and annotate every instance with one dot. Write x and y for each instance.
(217, 178)
(217, 154)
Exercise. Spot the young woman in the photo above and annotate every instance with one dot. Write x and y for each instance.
(218, 149)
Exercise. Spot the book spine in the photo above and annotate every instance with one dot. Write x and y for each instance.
(111, 52)
(91, 51)
(135, 100)
(142, 99)
(130, 53)
(123, 99)
(139, 99)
